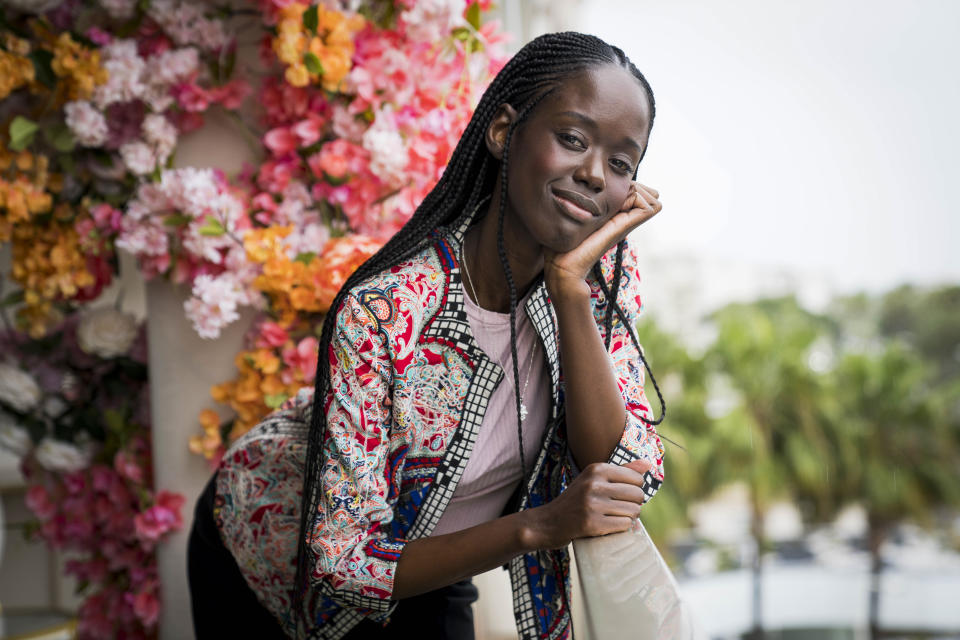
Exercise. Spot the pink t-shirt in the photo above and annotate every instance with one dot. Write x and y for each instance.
(493, 471)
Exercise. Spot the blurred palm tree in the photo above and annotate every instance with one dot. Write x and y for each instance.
(902, 441)
(685, 433)
(776, 439)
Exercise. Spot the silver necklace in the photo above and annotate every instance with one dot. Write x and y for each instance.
(533, 354)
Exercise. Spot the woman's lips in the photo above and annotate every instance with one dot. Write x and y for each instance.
(572, 208)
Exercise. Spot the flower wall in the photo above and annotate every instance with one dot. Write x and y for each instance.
(358, 108)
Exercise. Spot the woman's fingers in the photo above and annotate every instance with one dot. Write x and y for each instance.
(642, 197)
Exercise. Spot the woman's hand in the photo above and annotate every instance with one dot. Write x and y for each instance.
(565, 273)
(604, 498)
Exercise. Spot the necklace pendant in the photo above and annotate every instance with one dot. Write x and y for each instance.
(523, 411)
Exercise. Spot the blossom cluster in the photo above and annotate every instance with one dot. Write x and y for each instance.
(111, 521)
(92, 115)
(74, 407)
(278, 360)
(190, 226)
(362, 113)
(153, 92)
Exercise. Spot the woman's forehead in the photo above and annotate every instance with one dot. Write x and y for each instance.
(608, 94)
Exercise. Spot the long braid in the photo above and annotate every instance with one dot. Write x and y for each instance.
(536, 69)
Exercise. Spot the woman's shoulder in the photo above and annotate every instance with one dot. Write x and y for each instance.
(406, 292)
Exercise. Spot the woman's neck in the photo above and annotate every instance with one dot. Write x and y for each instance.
(484, 269)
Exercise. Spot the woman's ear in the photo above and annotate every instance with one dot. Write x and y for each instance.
(496, 136)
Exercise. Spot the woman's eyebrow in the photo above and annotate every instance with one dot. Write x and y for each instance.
(590, 122)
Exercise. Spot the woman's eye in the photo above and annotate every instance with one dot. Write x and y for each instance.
(621, 165)
(571, 140)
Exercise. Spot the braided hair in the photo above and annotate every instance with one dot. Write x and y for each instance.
(534, 72)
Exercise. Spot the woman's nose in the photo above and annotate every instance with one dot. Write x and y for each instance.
(590, 172)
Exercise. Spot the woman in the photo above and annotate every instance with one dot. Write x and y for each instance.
(479, 397)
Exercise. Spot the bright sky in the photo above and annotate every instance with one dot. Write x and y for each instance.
(819, 134)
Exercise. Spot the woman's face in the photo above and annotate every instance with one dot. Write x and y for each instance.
(572, 161)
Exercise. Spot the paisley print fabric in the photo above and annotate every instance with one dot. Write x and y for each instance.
(409, 387)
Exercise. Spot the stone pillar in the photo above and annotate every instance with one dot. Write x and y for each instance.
(183, 367)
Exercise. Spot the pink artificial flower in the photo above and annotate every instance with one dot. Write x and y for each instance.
(93, 620)
(75, 482)
(309, 130)
(271, 335)
(103, 478)
(146, 606)
(124, 120)
(276, 174)
(191, 97)
(102, 271)
(302, 359)
(186, 121)
(281, 141)
(38, 501)
(232, 94)
(336, 159)
(128, 466)
(106, 217)
(99, 36)
(162, 517)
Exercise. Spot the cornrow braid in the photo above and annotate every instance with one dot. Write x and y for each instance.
(470, 176)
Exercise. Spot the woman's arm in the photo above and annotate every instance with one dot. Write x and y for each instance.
(604, 498)
(596, 414)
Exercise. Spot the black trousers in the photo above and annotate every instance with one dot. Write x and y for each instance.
(224, 606)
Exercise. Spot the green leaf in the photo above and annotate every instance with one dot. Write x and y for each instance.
(229, 64)
(12, 298)
(176, 220)
(312, 63)
(212, 228)
(60, 137)
(66, 163)
(43, 68)
(114, 420)
(274, 400)
(22, 133)
(305, 258)
(336, 181)
(473, 15)
(310, 20)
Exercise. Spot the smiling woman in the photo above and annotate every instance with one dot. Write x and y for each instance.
(423, 457)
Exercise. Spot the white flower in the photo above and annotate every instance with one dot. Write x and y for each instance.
(161, 133)
(18, 388)
(86, 123)
(433, 20)
(106, 332)
(139, 157)
(13, 437)
(120, 9)
(173, 66)
(215, 302)
(53, 406)
(388, 153)
(126, 70)
(63, 457)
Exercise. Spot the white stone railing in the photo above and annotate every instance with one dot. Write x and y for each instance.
(627, 591)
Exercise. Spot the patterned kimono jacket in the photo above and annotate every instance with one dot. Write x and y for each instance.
(392, 467)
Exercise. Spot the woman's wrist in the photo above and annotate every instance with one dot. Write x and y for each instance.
(534, 529)
(568, 291)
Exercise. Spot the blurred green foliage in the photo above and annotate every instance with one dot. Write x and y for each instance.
(859, 404)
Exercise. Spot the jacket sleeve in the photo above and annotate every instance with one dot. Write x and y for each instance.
(639, 439)
(355, 553)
